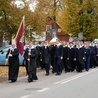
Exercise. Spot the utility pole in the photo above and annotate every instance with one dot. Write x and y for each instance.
(57, 5)
(80, 34)
(54, 19)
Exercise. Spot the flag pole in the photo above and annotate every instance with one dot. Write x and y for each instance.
(19, 38)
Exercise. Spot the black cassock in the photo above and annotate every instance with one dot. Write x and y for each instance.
(31, 66)
(45, 56)
(80, 54)
(57, 59)
(69, 63)
(38, 48)
(13, 62)
(65, 55)
(93, 59)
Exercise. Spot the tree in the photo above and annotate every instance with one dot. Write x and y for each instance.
(47, 8)
(4, 5)
(90, 28)
(80, 16)
(10, 19)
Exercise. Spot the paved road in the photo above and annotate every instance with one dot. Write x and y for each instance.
(67, 85)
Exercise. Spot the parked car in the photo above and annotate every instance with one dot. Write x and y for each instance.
(3, 52)
(1, 48)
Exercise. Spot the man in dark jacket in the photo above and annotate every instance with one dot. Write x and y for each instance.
(58, 57)
(80, 58)
(31, 66)
(38, 48)
(65, 55)
(93, 59)
(87, 55)
(45, 57)
(70, 58)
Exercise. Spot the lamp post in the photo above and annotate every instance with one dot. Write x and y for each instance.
(29, 28)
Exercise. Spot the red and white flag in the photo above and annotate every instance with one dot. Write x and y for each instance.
(20, 39)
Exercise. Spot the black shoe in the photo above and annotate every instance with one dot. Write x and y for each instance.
(30, 80)
(56, 74)
(87, 69)
(13, 80)
(35, 78)
(47, 74)
(52, 71)
(59, 73)
(65, 71)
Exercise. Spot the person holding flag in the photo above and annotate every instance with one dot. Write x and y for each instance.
(12, 56)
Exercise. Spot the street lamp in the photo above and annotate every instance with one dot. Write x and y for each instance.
(29, 28)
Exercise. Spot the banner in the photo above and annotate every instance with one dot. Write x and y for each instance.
(20, 39)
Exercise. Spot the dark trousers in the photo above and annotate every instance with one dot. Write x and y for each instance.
(58, 64)
(87, 63)
(53, 66)
(47, 67)
(93, 61)
(80, 65)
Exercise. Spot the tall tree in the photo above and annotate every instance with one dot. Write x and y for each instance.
(47, 8)
(80, 16)
(10, 19)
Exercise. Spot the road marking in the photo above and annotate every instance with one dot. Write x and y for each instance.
(75, 77)
(42, 90)
(26, 96)
(63, 80)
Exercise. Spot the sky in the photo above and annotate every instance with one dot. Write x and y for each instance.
(32, 5)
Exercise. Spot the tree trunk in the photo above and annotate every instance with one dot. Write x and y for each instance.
(1, 40)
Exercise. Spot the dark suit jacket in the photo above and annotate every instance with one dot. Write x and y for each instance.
(45, 55)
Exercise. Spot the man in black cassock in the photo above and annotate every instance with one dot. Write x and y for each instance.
(13, 61)
(45, 57)
(58, 57)
(31, 65)
(52, 49)
(65, 55)
(87, 56)
(70, 57)
(93, 59)
(80, 58)
(38, 48)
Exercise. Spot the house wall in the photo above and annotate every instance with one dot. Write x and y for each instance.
(61, 35)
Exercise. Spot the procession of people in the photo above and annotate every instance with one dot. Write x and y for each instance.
(61, 56)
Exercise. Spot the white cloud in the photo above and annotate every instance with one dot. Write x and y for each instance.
(21, 4)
